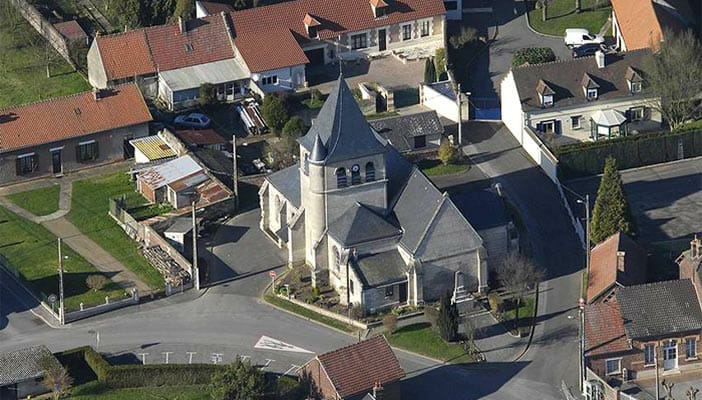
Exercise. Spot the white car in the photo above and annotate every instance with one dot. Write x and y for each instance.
(193, 120)
(579, 37)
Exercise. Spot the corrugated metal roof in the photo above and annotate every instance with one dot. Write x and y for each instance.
(153, 147)
(215, 73)
(171, 171)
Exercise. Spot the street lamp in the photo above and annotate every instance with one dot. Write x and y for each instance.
(586, 203)
(62, 310)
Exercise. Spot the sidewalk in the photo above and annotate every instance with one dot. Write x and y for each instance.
(494, 341)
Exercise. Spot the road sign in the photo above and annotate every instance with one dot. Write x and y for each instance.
(52, 298)
(271, 274)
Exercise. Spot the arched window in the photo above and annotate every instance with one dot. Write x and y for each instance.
(370, 172)
(341, 177)
(306, 165)
(337, 259)
(355, 174)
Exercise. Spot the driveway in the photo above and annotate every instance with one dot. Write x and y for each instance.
(509, 26)
(665, 198)
(239, 248)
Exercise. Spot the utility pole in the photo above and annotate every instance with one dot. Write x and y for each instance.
(196, 271)
(235, 173)
(655, 362)
(460, 120)
(62, 310)
(587, 233)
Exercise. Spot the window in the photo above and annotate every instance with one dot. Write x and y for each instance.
(636, 113)
(270, 80)
(420, 141)
(380, 12)
(341, 177)
(451, 5)
(635, 87)
(691, 348)
(575, 121)
(306, 164)
(189, 48)
(87, 151)
(548, 127)
(547, 100)
(592, 94)
(406, 32)
(359, 41)
(389, 291)
(351, 286)
(337, 259)
(26, 164)
(355, 174)
(425, 28)
(649, 354)
(613, 366)
(370, 172)
(312, 31)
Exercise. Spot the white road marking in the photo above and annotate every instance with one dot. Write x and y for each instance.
(292, 368)
(267, 343)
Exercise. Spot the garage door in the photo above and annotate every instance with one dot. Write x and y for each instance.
(315, 56)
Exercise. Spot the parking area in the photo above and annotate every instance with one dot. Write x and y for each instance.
(666, 199)
(387, 71)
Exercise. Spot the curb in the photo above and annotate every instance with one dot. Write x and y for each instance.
(436, 360)
(533, 326)
(526, 15)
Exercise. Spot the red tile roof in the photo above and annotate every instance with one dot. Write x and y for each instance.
(201, 137)
(216, 8)
(356, 368)
(164, 47)
(285, 21)
(604, 329)
(71, 116)
(71, 30)
(642, 22)
(603, 265)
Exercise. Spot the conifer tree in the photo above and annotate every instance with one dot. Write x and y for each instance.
(611, 213)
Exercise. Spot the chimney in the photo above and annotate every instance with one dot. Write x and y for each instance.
(696, 248)
(621, 257)
(378, 391)
(600, 58)
(96, 94)
(181, 25)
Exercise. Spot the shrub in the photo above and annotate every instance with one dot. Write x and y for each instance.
(440, 63)
(390, 323)
(432, 315)
(315, 94)
(316, 291)
(611, 213)
(429, 71)
(294, 128)
(96, 281)
(497, 304)
(447, 153)
(238, 381)
(207, 95)
(533, 55)
(288, 388)
(448, 319)
(275, 112)
(466, 36)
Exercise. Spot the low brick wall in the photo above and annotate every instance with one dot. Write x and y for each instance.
(102, 308)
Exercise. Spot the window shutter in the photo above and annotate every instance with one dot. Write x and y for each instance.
(78, 158)
(96, 149)
(647, 113)
(35, 163)
(557, 127)
(627, 114)
(540, 127)
(18, 166)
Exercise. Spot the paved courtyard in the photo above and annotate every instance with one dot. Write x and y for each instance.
(387, 71)
(666, 199)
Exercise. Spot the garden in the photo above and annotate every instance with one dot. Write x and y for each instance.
(40, 202)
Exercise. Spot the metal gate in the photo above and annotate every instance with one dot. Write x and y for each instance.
(486, 108)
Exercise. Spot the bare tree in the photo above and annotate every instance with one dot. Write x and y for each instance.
(518, 275)
(56, 378)
(675, 74)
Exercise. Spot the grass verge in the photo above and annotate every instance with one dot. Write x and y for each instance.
(42, 201)
(384, 114)
(32, 249)
(422, 339)
(95, 391)
(303, 312)
(437, 168)
(89, 207)
(561, 16)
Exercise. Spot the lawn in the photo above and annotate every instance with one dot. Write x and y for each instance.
(562, 15)
(422, 339)
(32, 250)
(42, 201)
(436, 167)
(313, 104)
(95, 391)
(89, 207)
(305, 313)
(23, 64)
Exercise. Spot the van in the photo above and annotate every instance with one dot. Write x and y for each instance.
(578, 37)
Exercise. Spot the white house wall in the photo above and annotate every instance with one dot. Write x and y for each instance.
(96, 70)
(511, 106)
(289, 78)
(437, 101)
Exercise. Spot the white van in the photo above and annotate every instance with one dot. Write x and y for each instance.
(578, 37)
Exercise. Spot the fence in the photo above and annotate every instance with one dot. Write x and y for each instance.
(45, 28)
(102, 308)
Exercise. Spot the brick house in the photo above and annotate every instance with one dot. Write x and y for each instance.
(617, 261)
(351, 372)
(68, 133)
(640, 329)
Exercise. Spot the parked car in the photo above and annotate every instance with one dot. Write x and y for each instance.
(587, 50)
(578, 37)
(193, 120)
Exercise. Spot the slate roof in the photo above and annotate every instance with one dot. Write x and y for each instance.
(565, 78)
(604, 329)
(71, 116)
(400, 131)
(269, 37)
(603, 265)
(359, 224)
(287, 182)
(483, 208)
(342, 128)
(660, 309)
(416, 207)
(21, 365)
(380, 268)
(356, 368)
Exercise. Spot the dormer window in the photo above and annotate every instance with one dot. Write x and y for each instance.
(634, 87)
(379, 7)
(634, 80)
(591, 94)
(312, 26)
(547, 100)
(590, 87)
(546, 93)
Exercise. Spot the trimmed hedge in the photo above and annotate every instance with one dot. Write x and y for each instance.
(533, 55)
(582, 159)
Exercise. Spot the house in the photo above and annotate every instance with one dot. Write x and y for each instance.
(364, 219)
(74, 34)
(640, 24)
(65, 134)
(583, 99)
(617, 261)
(414, 133)
(179, 182)
(205, 8)
(353, 371)
(21, 372)
(151, 148)
(644, 330)
(202, 139)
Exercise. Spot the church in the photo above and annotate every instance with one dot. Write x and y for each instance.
(365, 220)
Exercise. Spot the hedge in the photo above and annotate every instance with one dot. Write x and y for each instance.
(581, 159)
(533, 55)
